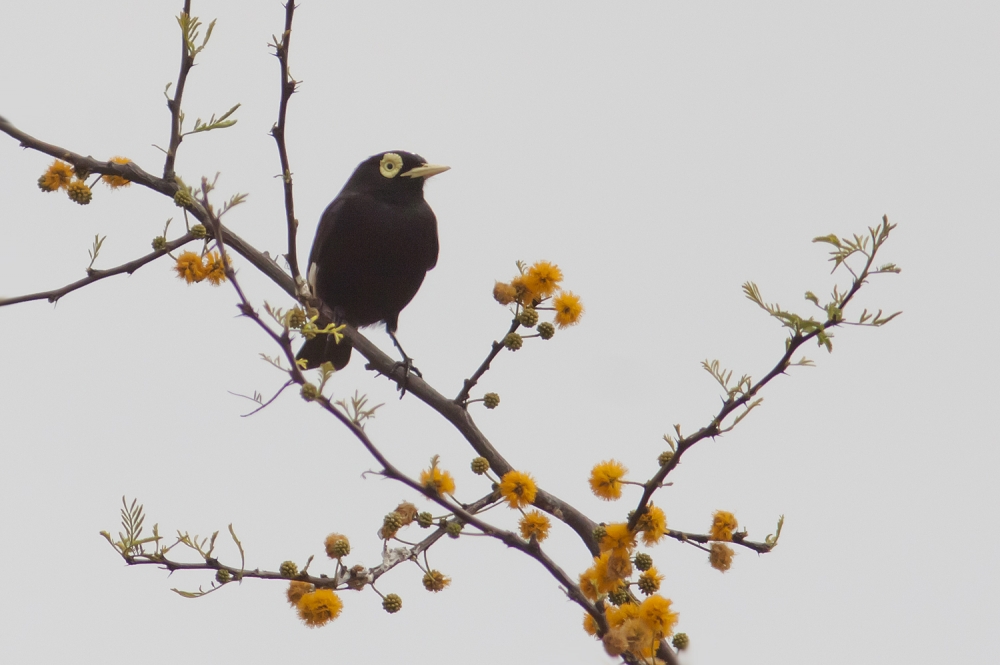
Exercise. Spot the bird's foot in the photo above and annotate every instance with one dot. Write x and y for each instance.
(406, 364)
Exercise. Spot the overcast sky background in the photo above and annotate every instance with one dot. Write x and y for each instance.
(661, 154)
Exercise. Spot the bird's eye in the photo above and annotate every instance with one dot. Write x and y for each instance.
(390, 164)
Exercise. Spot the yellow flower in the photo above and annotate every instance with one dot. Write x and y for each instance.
(589, 625)
(437, 481)
(655, 613)
(568, 309)
(721, 557)
(606, 480)
(535, 524)
(214, 270)
(435, 581)
(319, 607)
(190, 267)
(57, 176)
(518, 488)
(649, 581)
(637, 637)
(524, 295)
(588, 583)
(114, 181)
(504, 293)
(617, 537)
(619, 615)
(296, 590)
(610, 570)
(653, 525)
(723, 525)
(543, 278)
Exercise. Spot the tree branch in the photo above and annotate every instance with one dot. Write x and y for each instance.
(288, 86)
(97, 275)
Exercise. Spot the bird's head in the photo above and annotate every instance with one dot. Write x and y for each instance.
(395, 175)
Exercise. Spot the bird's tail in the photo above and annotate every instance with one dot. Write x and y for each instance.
(323, 348)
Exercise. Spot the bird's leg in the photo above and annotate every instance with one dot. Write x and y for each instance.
(406, 364)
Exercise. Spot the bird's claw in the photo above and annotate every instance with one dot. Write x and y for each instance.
(407, 366)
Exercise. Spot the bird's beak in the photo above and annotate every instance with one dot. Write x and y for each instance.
(425, 171)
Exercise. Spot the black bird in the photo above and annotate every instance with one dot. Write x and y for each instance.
(374, 245)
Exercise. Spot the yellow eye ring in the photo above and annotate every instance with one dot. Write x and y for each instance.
(390, 165)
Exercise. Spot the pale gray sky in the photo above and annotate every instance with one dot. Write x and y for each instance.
(661, 154)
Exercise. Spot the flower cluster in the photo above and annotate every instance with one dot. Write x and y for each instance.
(61, 175)
(194, 267)
(532, 287)
(636, 629)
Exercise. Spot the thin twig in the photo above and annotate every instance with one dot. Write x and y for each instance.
(288, 85)
(495, 350)
(97, 275)
(733, 403)
(175, 104)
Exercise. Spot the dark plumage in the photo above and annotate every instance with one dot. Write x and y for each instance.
(374, 244)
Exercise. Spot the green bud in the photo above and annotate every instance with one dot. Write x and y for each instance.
(546, 330)
(309, 392)
(513, 341)
(182, 199)
(288, 569)
(480, 465)
(199, 231)
(643, 561)
(491, 400)
(392, 603)
(159, 243)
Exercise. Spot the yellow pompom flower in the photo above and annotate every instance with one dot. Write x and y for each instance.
(504, 293)
(588, 583)
(437, 481)
(535, 524)
(114, 181)
(319, 607)
(568, 309)
(723, 525)
(543, 278)
(589, 625)
(655, 613)
(617, 537)
(518, 489)
(606, 480)
(609, 571)
(215, 272)
(296, 590)
(619, 615)
(720, 556)
(190, 267)
(58, 176)
(652, 524)
(524, 295)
